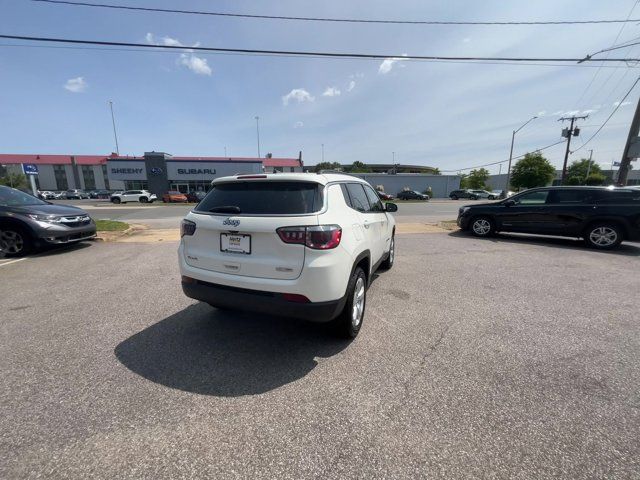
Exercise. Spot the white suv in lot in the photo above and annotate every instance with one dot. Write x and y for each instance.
(142, 196)
(299, 245)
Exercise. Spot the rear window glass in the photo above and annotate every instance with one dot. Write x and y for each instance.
(264, 198)
(571, 196)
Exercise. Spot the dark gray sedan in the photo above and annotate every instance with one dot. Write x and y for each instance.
(26, 222)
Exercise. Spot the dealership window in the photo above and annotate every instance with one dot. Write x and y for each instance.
(190, 185)
(89, 177)
(61, 177)
(135, 185)
(105, 175)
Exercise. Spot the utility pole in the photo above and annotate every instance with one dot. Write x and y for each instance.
(258, 133)
(225, 151)
(505, 192)
(570, 132)
(589, 165)
(625, 163)
(113, 121)
(322, 145)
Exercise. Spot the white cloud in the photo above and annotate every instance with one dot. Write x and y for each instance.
(171, 42)
(559, 112)
(541, 113)
(331, 92)
(298, 125)
(76, 85)
(466, 39)
(351, 86)
(388, 63)
(587, 112)
(298, 94)
(623, 104)
(357, 75)
(196, 64)
(149, 38)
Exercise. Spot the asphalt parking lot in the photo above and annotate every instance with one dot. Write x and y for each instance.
(502, 358)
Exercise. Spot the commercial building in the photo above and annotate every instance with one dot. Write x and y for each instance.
(154, 171)
(440, 185)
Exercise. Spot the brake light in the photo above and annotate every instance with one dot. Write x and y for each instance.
(320, 237)
(187, 227)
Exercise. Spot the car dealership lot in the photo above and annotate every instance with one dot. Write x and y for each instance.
(506, 357)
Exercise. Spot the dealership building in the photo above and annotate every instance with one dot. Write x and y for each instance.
(157, 172)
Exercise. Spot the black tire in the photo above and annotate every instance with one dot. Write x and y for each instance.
(115, 200)
(491, 197)
(388, 262)
(15, 241)
(345, 324)
(482, 226)
(143, 200)
(473, 197)
(454, 197)
(603, 235)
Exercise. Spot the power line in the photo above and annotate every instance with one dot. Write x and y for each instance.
(595, 75)
(303, 53)
(609, 117)
(161, 50)
(336, 20)
(504, 161)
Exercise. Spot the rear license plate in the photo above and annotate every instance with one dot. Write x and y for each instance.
(234, 243)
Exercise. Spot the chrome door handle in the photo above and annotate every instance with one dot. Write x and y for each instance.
(366, 224)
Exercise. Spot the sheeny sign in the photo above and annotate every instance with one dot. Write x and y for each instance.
(126, 170)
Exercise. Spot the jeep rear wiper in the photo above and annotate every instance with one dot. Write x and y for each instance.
(225, 209)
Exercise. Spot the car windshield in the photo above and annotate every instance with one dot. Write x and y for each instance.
(10, 197)
(263, 198)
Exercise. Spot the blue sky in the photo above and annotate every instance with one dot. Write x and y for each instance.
(449, 115)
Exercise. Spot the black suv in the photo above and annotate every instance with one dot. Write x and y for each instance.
(470, 194)
(602, 216)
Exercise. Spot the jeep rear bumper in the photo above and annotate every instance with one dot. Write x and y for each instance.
(271, 303)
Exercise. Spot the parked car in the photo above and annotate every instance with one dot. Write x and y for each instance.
(498, 193)
(46, 195)
(26, 222)
(174, 196)
(385, 196)
(288, 244)
(195, 197)
(602, 216)
(142, 196)
(61, 195)
(76, 194)
(485, 194)
(100, 194)
(412, 195)
(468, 193)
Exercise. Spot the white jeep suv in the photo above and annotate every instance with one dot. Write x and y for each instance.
(142, 196)
(299, 245)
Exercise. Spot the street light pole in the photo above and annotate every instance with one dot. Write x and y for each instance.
(505, 192)
(113, 122)
(589, 165)
(322, 145)
(258, 133)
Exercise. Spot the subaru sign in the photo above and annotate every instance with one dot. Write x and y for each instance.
(30, 169)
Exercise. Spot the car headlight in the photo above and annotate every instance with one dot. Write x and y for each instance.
(46, 218)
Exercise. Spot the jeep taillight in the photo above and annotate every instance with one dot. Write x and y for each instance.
(187, 227)
(320, 237)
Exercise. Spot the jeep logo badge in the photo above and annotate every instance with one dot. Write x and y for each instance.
(233, 223)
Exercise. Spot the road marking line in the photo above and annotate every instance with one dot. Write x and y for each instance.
(3, 263)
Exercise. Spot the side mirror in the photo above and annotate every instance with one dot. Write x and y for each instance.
(509, 203)
(391, 207)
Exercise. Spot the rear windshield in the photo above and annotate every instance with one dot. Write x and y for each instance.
(263, 198)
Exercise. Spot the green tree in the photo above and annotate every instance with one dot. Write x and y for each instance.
(464, 181)
(577, 172)
(327, 166)
(595, 179)
(532, 171)
(477, 179)
(359, 167)
(436, 171)
(15, 180)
